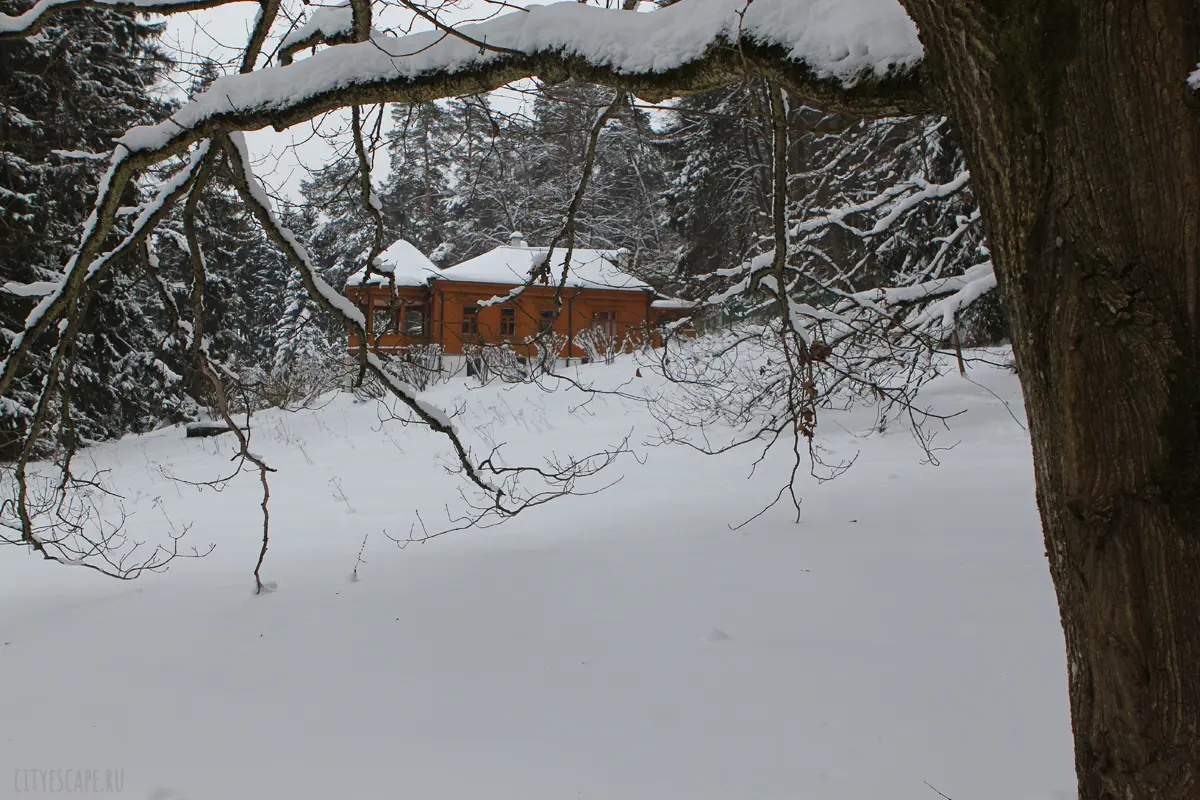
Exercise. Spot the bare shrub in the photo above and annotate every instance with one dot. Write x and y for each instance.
(298, 384)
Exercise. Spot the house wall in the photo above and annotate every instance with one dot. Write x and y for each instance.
(580, 307)
(661, 317)
(376, 301)
(445, 305)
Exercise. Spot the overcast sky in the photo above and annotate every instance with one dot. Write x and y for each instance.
(220, 34)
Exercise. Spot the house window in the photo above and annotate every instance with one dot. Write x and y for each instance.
(470, 321)
(384, 320)
(414, 321)
(508, 322)
(546, 321)
(606, 321)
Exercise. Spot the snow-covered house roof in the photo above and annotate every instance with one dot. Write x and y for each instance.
(674, 304)
(408, 266)
(589, 269)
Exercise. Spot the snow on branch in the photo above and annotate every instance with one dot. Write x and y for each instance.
(326, 25)
(88, 264)
(33, 20)
(960, 291)
(841, 53)
(899, 200)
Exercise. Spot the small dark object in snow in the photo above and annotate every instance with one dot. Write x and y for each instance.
(199, 429)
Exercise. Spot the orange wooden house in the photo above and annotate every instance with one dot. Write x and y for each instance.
(461, 309)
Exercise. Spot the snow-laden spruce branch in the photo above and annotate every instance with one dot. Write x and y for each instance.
(31, 22)
(87, 264)
(891, 206)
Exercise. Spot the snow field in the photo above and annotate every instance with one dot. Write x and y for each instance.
(626, 644)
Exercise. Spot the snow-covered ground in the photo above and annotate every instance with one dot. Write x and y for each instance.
(622, 645)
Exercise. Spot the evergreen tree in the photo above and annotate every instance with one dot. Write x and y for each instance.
(338, 234)
(487, 196)
(718, 197)
(417, 191)
(512, 172)
(98, 67)
(246, 274)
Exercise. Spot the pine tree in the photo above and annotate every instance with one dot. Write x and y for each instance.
(517, 172)
(98, 67)
(718, 196)
(622, 207)
(486, 193)
(246, 274)
(416, 193)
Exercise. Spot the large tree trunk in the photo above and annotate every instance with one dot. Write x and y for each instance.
(1084, 141)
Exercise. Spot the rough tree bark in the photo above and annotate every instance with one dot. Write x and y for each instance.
(1084, 143)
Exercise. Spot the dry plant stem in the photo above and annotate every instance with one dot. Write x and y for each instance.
(368, 196)
(589, 165)
(20, 473)
(779, 199)
(371, 208)
(360, 31)
(199, 348)
(452, 31)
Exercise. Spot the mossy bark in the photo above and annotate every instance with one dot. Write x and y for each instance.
(1084, 142)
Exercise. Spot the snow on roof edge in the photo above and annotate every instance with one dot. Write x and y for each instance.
(511, 266)
(407, 265)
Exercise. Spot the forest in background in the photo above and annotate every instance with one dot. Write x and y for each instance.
(685, 186)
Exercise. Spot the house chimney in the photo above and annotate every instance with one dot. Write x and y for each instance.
(624, 258)
(516, 239)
